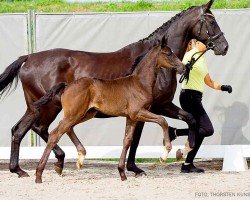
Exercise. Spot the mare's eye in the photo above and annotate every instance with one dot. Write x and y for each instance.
(212, 22)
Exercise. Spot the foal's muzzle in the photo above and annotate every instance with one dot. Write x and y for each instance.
(180, 70)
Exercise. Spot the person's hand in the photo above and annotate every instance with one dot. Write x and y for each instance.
(227, 88)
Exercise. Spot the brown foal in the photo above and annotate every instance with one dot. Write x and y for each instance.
(130, 97)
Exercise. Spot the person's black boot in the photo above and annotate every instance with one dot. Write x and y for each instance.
(172, 134)
(190, 168)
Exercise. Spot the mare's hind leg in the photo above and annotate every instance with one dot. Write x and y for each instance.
(42, 131)
(18, 133)
(129, 131)
(47, 114)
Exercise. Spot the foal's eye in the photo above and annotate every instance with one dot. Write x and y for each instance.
(212, 22)
(169, 53)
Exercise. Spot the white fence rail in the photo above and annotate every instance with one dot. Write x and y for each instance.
(234, 155)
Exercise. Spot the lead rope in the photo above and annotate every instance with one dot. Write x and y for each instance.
(190, 64)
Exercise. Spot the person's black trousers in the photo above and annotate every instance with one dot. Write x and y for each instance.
(191, 102)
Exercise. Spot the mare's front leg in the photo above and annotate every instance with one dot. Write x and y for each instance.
(129, 131)
(131, 166)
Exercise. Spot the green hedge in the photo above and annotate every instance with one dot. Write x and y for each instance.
(12, 6)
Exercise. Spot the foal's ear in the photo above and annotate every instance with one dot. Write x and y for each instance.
(158, 43)
(163, 42)
(208, 5)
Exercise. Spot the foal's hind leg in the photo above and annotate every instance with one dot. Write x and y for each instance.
(80, 148)
(130, 127)
(18, 133)
(64, 126)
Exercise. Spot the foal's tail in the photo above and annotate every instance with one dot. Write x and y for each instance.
(49, 95)
(10, 74)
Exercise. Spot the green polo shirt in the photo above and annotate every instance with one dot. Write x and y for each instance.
(197, 74)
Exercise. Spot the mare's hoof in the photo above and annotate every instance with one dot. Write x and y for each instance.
(23, 174)
(137, 175)
(179, 155)
(58, 169)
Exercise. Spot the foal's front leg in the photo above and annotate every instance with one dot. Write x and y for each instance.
(129, 131)
(145, 115)
(173, 111)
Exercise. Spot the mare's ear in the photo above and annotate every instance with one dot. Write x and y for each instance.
(208, 5)
(163, 42)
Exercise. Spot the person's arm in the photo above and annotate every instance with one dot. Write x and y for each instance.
(209, 82)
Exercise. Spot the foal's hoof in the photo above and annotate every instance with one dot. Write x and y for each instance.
(58, 169)
(162, 161)
(137, 175)
(123, 178)
(80, 162)
(79, 165)
(38, 180)
(179, 155)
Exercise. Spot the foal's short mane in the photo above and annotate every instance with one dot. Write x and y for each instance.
(167, 24)
(136, 63)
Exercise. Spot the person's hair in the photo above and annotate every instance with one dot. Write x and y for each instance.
(191, 44)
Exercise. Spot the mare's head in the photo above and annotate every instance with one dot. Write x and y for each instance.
(206, 29)
(167, 59)
(197, 22)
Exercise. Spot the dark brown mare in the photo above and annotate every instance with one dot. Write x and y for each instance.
(44, 70)
(132, 99)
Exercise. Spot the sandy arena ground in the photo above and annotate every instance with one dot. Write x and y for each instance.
(100, 180)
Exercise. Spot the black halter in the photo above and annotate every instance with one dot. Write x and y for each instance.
(211, 39)
(210, 45)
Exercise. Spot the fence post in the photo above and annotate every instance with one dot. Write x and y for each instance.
(234, 159)
(34, 139)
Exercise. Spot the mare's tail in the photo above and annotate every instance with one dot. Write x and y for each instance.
(10, 74)
(49, 95)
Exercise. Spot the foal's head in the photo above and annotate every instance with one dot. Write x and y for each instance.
(167, 59)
